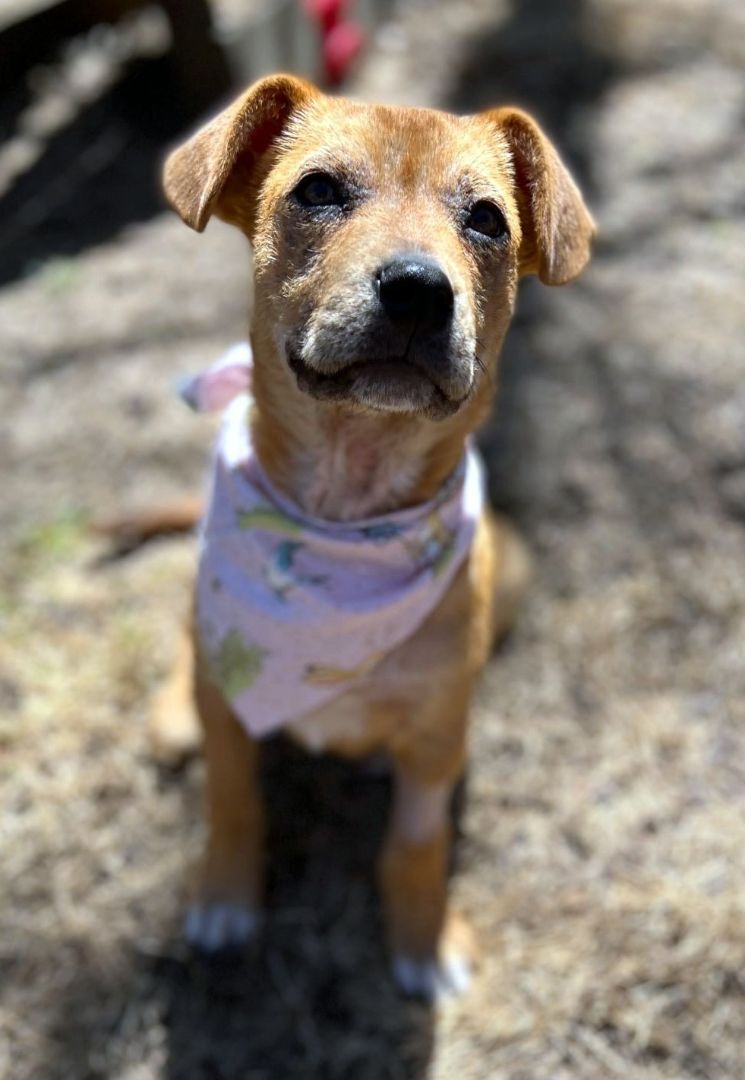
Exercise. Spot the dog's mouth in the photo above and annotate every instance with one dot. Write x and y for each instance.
(383, 385)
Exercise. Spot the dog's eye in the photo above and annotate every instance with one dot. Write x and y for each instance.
(487, 219)
(318, 189)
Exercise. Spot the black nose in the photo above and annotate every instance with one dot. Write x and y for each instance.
(415, 289)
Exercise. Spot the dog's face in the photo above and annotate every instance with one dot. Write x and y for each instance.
(388, 243)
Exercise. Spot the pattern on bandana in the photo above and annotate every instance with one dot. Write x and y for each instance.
(294, 610)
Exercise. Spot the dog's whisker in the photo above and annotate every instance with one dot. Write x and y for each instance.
(483, 367)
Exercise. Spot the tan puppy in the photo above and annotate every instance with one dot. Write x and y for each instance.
(388, 246)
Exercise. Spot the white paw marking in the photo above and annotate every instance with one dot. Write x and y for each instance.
(211, 927)
(432, 979)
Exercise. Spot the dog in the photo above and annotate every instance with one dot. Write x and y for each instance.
(388, 244)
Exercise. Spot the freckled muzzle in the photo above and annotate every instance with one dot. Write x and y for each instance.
(393, 346)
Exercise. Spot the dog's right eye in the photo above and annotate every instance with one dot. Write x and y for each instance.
(318, 190)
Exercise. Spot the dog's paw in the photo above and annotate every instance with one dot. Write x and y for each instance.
(445, 975)
(212, 927)
(433, 980)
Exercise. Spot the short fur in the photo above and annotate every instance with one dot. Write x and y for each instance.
(339, 429)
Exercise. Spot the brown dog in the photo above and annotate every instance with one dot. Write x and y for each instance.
(388, 246)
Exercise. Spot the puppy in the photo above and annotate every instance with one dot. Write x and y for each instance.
(351, 581)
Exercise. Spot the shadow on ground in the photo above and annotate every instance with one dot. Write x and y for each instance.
(317, 1000)
(313, 999)
(97, 128)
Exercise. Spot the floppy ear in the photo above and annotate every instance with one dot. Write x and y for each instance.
(557, 226)
(195, 174)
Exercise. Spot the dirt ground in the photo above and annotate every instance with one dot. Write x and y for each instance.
(602, 855)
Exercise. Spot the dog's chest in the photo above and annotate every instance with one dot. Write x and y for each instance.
(363, 719)
(395, 701)
(346, 721)
(356, 475)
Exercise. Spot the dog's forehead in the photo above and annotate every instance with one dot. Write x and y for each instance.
(407, 147)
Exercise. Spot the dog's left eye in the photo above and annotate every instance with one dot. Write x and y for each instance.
(318, 189)
(487, 219)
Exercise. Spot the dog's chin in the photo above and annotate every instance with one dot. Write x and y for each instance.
(388, 386)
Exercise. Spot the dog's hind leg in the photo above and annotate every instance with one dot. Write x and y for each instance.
(174, 729)
(499, 574)
(512, 572)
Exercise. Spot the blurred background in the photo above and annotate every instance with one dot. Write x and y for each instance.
(602, 854)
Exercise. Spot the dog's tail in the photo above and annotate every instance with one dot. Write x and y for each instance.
(135, 528)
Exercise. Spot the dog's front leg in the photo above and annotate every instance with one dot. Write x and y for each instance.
(225, 911)
(430, 946)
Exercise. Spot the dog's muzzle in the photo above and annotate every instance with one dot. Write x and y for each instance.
(403, 358)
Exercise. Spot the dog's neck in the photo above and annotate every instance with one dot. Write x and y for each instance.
(342, 464)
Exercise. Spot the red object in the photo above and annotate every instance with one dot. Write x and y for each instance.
(341, 41)
(340, 47)
(327, 13)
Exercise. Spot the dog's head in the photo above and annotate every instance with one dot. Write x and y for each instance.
(388, 242)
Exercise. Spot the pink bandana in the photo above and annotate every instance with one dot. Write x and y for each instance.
(294, 610)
